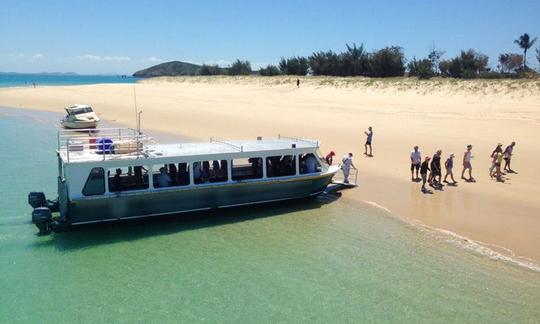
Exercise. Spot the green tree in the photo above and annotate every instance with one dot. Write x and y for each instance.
(354, 62)
(469, 64)
(240, 68)
(525, 42)
(269, 70)
(423, 69)
(510, 62)
(294, 65)
(388, 62)
(210, 70)
(325, 63)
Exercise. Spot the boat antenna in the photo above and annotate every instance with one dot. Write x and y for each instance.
(137, 116)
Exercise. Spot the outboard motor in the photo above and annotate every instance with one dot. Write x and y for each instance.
(37, 199)
(42, 218)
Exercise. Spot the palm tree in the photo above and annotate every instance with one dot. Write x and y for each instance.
(524, 41)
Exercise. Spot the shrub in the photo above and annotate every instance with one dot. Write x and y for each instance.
(510, 62)
(294, 65)
(240, 68)
(210, 70)
(269, 70)
(388, 62)
(325, 63)
(469, 64)
(423, 69)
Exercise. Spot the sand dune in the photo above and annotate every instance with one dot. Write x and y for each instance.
(440, 113)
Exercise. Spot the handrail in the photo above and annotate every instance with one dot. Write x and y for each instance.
(127, 141)
(299, 139)
(227, 143)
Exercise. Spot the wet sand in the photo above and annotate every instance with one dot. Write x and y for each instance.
(435, 114)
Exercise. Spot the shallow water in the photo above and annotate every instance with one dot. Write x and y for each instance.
(324, 260)
(28, 80)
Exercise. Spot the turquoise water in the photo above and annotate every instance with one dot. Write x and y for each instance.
(325, 260)
(27, 80)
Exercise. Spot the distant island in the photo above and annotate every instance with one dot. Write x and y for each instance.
(174, 68)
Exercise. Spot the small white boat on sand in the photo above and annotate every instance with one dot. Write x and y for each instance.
(80, 117)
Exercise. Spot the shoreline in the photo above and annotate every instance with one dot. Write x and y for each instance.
(497, 214)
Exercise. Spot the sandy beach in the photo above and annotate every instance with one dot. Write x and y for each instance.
(435, 114)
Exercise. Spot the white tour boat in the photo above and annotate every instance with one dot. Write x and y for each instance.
(80, 117)
(114, 174)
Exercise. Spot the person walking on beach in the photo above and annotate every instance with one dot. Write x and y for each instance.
(330, 157)
(298, 83)
(346, 166)
(369, 138)
(497, 149)
(416, 160)
(435, 169)
(508, 156)
(449, 165)
(467, 156)
(498, 162)
(424, 168)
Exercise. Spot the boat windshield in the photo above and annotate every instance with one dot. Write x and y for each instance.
(78, 111)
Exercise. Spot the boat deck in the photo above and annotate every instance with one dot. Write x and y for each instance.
(81, 146)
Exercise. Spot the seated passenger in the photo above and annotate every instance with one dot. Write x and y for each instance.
(117, 181)
(206, 171)
(216, 168)
(311, 163)
(197, 172)
(173, 173)
(163, 179)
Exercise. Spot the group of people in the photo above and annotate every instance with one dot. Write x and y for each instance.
(434, 167)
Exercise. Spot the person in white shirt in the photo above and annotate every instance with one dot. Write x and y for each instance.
(416, 160)
(467, 156)
(346, 166)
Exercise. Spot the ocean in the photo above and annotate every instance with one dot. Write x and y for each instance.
(28, 80)
(329, 260)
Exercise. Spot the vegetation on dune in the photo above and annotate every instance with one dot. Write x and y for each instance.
(356, 61)
(525, 42)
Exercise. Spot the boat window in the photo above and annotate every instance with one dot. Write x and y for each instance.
(280, 166)
(243, 169)
(128, 178)
(95, 183)
(170, 175)
(210, 171)
(309, 164)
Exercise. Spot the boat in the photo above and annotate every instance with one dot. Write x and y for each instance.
(120, 173)
(80, 117)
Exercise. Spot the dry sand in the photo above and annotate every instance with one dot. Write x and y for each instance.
(445, 114)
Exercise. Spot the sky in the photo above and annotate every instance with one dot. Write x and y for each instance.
(121, 37)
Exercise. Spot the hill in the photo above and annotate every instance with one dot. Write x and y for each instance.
(174, 68)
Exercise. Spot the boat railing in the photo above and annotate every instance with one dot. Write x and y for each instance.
(299, 139)
(239, 148)
(105, 143)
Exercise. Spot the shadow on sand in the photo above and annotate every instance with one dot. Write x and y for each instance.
(84, 236)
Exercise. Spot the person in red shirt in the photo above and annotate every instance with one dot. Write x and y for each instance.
(330, 157)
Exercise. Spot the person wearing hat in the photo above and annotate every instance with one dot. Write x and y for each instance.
(467, 156)
(424, 168)
(449, 165)
(330, 157)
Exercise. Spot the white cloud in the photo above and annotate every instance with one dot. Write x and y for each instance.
(152, 59)
(38, 56)
(93, 57)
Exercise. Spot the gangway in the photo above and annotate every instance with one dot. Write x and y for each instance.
(339, 179)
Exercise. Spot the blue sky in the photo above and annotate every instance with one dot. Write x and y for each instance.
(92, 37)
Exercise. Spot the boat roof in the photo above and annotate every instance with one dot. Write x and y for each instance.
(86, 151)
(77, 106)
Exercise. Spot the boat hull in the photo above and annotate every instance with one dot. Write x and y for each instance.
(78, 125)
(172, 201)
